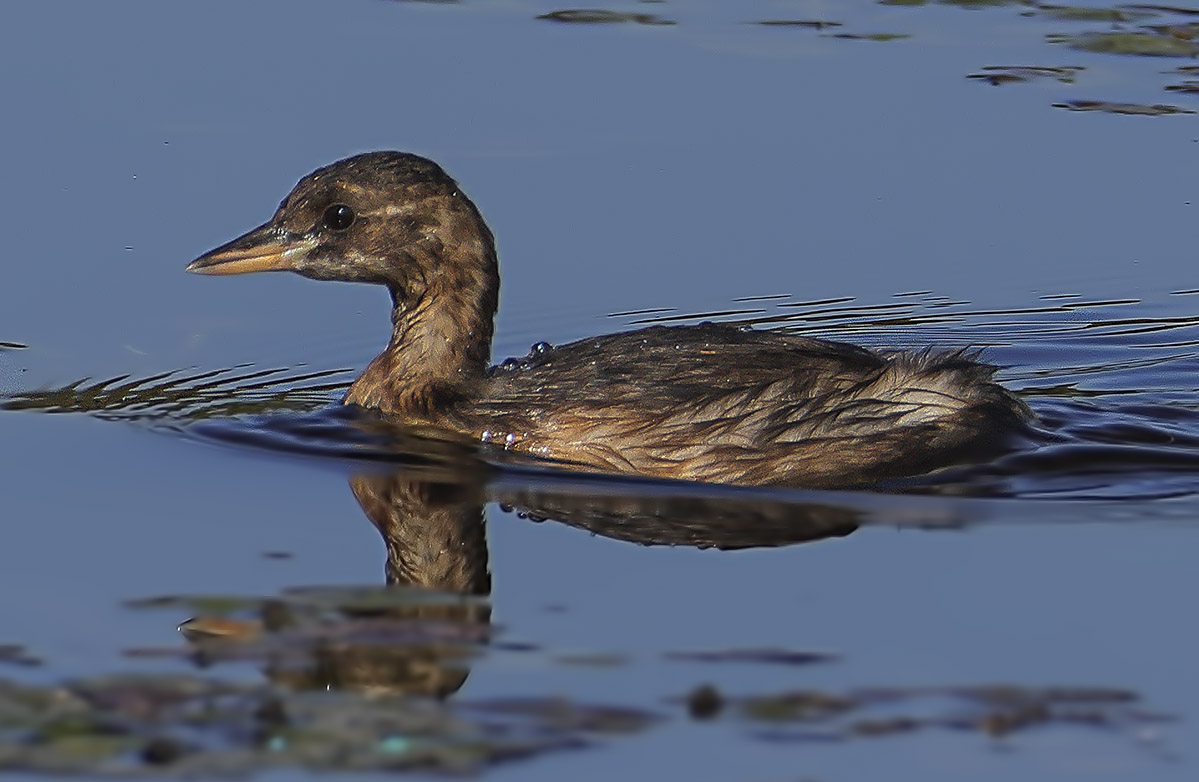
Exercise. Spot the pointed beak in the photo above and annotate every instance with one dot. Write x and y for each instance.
(265, 249)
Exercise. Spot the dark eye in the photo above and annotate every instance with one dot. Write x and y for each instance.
(339, 217)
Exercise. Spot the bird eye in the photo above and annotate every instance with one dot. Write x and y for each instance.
(339, 217)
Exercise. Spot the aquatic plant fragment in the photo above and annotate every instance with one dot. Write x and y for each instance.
(602, 16)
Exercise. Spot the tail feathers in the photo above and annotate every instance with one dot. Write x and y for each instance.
(929, 388)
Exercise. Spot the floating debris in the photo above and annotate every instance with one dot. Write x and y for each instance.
(705, 702)
(1146, 43)
(1016, 74)
(810, 24)
(593, 659)
(566, 715)
(996, 710)
(387, 639)
(880, 37)
(182, 726)
(1079, 13)
(774, 656)
(1188, 87)
(601, 16)
(1138, 109)
(15, 654)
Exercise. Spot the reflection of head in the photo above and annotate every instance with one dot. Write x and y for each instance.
(430, 670)
(436, 539)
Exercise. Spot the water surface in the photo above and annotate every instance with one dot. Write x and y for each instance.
(1006, 176)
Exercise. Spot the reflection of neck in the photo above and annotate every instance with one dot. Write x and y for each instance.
(435, 533)
(440, 339)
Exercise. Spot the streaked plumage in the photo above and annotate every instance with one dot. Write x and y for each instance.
(709, 402)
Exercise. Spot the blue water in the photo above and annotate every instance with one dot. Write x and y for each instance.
(625, 167)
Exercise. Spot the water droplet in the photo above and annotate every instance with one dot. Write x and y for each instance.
(486, 436)
(510, 440)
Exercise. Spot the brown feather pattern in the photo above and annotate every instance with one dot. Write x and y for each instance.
(708, 402)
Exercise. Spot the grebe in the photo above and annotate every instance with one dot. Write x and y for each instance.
(708, 403)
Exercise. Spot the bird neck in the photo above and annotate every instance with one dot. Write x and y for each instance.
(440, 339)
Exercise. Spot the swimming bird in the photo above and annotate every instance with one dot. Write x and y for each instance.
(709, 402)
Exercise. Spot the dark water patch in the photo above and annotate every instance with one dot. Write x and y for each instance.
(996, 711)
(1123, 33)
(593, 660)
(1165, 9)
(757, 656)
(191, 727)
(1143, 43)
(312, 604)
(1188, 87)
(564, 714)
(1079, 13)
(1132, 109)
(18, 655)
(809, 24)
(179, 726)
(6, 345)
(997, 75)
(603, 16)
(398, 637)
(979, 4)
(966, 4)
(877, 37)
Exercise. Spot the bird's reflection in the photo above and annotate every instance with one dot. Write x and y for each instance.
(429, 509)
(435, 536)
